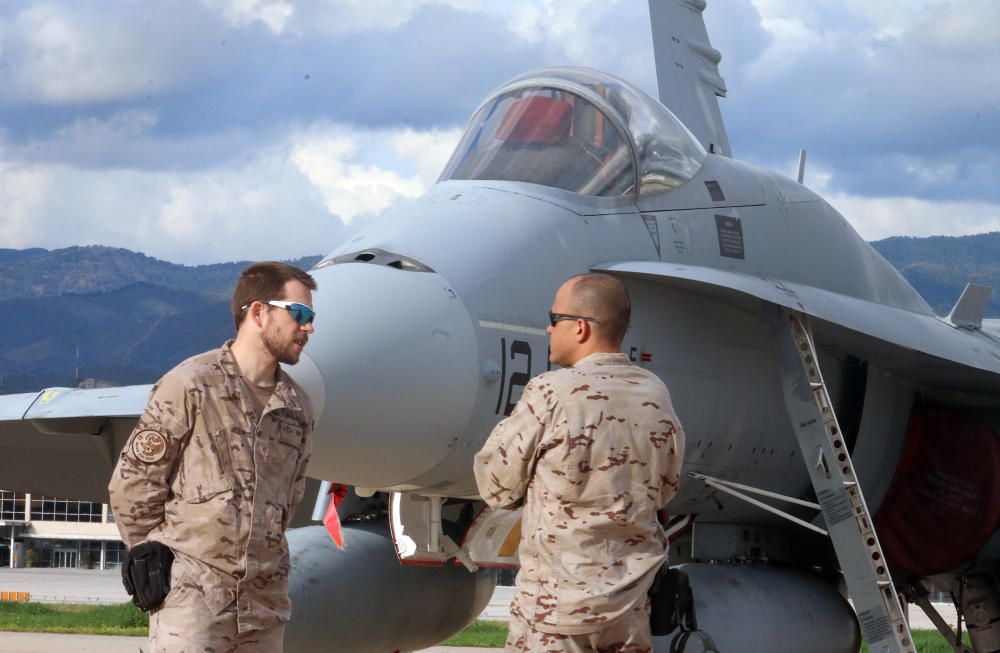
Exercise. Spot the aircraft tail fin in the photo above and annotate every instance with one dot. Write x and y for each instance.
(687, 70)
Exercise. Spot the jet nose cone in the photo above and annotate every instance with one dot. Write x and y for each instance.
(392, 370)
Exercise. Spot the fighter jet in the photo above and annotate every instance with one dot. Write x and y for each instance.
(841, 436)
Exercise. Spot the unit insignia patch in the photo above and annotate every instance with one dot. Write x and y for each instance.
(149, 446)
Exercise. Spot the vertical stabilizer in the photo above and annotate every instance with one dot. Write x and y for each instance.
(687, 70)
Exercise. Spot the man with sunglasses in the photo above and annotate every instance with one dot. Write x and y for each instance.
(212, 473)
(590, 453)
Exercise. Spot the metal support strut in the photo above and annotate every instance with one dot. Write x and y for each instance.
(848, 521)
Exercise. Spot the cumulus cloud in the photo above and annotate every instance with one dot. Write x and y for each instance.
(300, 195)
(875, 218)
(272, 13)
(62, 53)
(880, 216)
(188, 126)
(896, 96)
(329, 159)
(334, 18)
(611, 35)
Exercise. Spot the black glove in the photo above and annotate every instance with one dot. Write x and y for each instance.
(146, 574)
(672, 602)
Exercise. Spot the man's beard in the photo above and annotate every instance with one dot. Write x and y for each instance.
(285, 353)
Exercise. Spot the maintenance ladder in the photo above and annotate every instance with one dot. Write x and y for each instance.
(848, 522)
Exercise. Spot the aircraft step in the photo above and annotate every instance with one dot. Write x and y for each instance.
(848, 521)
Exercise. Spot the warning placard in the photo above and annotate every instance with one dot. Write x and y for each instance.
(730, 236)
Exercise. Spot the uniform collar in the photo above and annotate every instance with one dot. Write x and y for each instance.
(616, 358)
(284, 395)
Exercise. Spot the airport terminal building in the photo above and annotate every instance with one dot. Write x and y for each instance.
(40, 531)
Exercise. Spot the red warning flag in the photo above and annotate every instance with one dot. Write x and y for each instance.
(337, 492)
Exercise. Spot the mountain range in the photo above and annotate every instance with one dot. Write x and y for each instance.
(105, 316)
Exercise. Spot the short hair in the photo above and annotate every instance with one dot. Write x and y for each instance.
(604, 298)
(265, 281)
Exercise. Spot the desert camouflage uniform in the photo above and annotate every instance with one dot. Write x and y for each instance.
(627, 634)
(591, 452)
(201, 476)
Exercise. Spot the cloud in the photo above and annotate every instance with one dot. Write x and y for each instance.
(332, 18)
(896, 97)
(611, 35)
(272, 13)
(351, 188)
(875, 218)
(70, 54)
(879, 216)
(121, 121)
(299, 195)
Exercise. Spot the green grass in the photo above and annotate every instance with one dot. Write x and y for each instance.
(929, 641)
(493, 634)
(126, 619)
(487, 634)
(121, 619)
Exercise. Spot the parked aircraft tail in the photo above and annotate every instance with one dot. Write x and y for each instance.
(687, 70)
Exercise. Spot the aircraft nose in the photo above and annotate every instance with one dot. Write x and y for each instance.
(392, 370)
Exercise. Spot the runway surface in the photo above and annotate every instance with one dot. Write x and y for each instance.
(87, 586)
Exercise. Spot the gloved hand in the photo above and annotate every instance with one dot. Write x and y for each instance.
(146, 574)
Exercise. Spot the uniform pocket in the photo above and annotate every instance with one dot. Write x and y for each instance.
(207, 494)
(286, 454)
(204, 472)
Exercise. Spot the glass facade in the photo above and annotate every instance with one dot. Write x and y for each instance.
(57, 547)
(49, 509)
(11, 505)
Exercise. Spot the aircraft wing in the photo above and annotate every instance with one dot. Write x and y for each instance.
(923, 347)
(65, 441)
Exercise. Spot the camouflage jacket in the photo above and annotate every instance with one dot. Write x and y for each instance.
(591, 452)
(198, 475)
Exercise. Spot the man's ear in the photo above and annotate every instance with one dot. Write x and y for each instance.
(583, 331)
(257, 313)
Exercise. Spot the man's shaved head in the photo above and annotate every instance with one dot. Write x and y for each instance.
(604, 298)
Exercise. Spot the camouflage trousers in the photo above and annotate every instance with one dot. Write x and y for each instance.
(184, 624)
(629, 634)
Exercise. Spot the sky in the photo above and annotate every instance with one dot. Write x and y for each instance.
(200, 131)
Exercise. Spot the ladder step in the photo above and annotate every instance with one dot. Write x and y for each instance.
(856, 546)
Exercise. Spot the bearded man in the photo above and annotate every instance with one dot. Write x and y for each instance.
(212, 473)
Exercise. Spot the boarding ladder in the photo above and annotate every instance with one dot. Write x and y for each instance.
(848, 522)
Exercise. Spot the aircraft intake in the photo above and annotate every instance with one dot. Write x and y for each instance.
(361, 600)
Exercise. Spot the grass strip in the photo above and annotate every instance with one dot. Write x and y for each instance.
(126, 619)
(120, 619)
(493, 634)
(929, 641)
(485, 634)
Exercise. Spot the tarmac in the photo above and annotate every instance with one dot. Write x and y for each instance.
(99, 587)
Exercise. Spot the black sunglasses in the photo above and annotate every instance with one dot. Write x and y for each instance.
(562, 317)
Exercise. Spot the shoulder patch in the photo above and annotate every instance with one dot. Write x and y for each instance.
(149, 446)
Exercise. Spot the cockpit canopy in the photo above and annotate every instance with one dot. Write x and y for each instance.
(580, 130)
